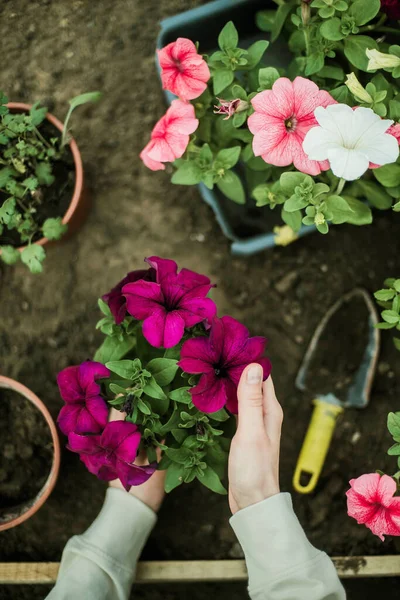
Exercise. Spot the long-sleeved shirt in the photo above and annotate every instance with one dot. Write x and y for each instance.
(282, 564)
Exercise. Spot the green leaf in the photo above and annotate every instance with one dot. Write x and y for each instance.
(323, 227)
(44, 174)
(171, 424)
(341, 94)
(117, 389)
(229, 156)
(232, 187)
(265, 20)
(103, 306)
(394, 450)
(228, 38)
(221, 79)
(293, 219)
(9, 255)
(113, 349)
(339, 208)
(355, 47)
(163, 370)
(32, 256)
(363, 11)
(361, 214)
(54, 229)
(315, 62)
(7, 211)
(220, 415)
(188, 173)
(388, 175)
(384, 295)
(290, 180)
(38, 114)
(295, 203)
(127, 369)
(181, 395)
(84, 99)
(393, 424)
(267, 78)
(255, 53)
(211, 480)
(396, 342)
(174, 477)
(385, 325)
(153, 390)
(281, 15)
(390, 316)
(179, 455)
(394, 109)
(332, 29)
(6, 174)
(375, 194)
(396, 285)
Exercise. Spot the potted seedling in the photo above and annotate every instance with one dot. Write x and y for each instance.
(253, 101)
(41, 180)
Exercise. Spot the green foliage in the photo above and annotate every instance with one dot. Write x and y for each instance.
(28, 157)
(389, 299)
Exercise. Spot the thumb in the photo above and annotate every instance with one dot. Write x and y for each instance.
(250, 399)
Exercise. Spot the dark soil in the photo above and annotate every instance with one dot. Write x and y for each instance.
(26, 451)
(55, 198)
(58, 49)
(340, 350)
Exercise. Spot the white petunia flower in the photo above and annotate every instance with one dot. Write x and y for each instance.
(380, 60)
(350, 140)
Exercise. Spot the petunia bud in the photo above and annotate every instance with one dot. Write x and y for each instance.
(379, 60)
(284, 235)
(357, 89)
(230, 107)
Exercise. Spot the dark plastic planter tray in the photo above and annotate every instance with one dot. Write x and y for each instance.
(249, 228)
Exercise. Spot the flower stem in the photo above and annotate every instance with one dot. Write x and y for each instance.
(340, 186)
(375, 26)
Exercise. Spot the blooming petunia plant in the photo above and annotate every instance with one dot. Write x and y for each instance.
(171, 366)
(319, 139)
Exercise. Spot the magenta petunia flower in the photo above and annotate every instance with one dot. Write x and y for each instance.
(111, 455)
(391, 8)
(115, 299)
(221, 359)
(281, 120)
(184, 72)
(85, 410)
(170, 135)
(371, 501)
(173, 302)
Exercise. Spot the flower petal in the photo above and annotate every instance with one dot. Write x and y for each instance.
(128, 448)
(84, 444)
(68, 417)
(164, 267)
(210, 394)
(89, 371)
(153, 328)
(198, 356)
(195, 310)
(174, 329)
(142, 298)
(231, 397)
(235, 337)
(319, 141)
(115, 433)
(69, 385)
(348, 164)
(98, 409)
(153, 165)
(381, 149)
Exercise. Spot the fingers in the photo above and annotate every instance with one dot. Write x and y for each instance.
(251, 401)
(116, 415)
(273, 413)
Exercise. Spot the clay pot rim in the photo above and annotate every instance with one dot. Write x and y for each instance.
(21, 106)
(44, 493)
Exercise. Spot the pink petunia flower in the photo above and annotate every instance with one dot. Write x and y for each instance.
(116, 300)
(173, 302)
(395, 131)
(111, 455)
(184, 71)
(221, 359)
(170, 136)
(370, 501)
(85, 410)
(281, 120)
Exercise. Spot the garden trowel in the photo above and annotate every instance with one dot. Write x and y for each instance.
(338, 369)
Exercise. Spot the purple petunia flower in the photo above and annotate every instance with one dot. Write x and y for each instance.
(173, 302)
(115, 299)
(85, 411)
(111, 454)
(221, 359)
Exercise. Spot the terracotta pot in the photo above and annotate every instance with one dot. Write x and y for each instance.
(11, 517)
(79, 205)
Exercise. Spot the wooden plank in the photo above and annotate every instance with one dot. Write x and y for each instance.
(200, 570)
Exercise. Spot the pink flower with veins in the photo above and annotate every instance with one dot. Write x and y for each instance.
(184, 72)
(111, 455)
(281, 120)
(221, 359)
(85, 410)
(170, 136)
(173, 302)
(371, 501)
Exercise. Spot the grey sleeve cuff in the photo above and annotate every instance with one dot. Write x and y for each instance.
(272, 539)
(121, 528)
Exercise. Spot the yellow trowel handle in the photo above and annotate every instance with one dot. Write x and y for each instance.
(316, 445)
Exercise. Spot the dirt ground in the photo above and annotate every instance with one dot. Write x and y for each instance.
(53, 50)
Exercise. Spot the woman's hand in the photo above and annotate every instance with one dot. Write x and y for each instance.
(151, 492)
(254, 455)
